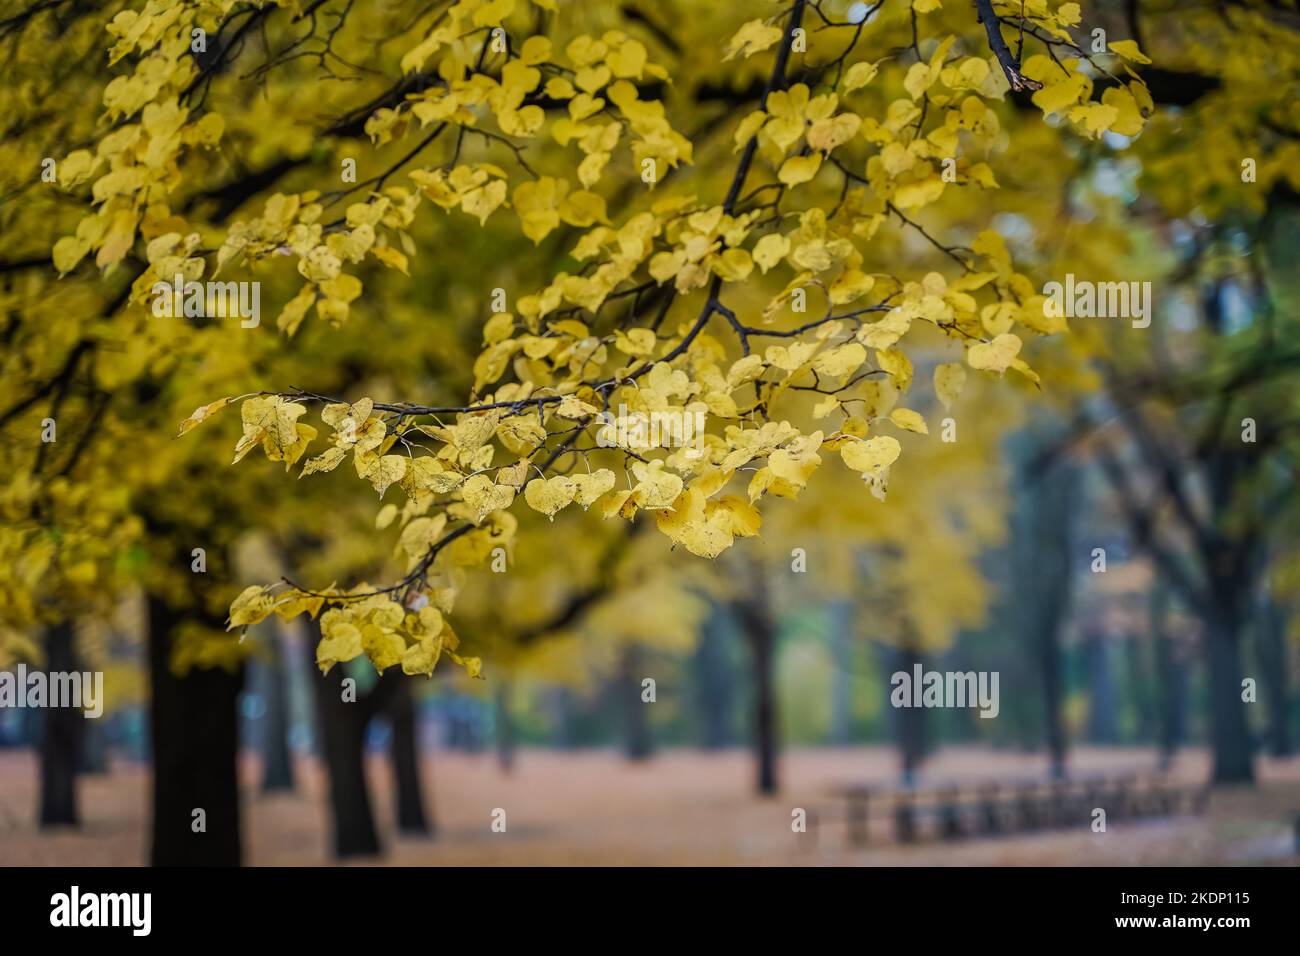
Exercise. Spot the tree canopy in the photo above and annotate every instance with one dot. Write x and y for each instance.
(783, 233)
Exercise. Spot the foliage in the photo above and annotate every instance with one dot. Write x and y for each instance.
(779, 301)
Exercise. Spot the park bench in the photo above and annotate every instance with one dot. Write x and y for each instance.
(953, 810)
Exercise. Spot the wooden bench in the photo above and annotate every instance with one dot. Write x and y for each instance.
(954, 811)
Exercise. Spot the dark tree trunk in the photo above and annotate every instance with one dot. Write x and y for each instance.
(636, 726)
(463, 731)
(1230, 733)
(1141, 691)
(760, 629)
(504, 727)
(61, 737)
(715, 680)
(411, 818)
(1230, 569)
(1102, 700)
(1046, 552)
(561, 710)
(840, 619)
(1172, 670)
(1053, 703)
(1271, 642)
(911, 722)
(343, 731)
(194, 731)
(277, 758)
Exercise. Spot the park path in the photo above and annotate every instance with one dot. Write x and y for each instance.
(681, 807)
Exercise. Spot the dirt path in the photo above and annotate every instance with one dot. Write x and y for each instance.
(682, 807)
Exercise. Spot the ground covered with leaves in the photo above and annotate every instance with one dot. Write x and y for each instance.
(679, 808)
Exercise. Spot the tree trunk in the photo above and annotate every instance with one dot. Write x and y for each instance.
(840, 620)
(1102, 727)
(1171, 666)
(411, 818)
(61, 737)
(636, 726)
(463, 725)
(1274, 667)
(343, 731)
(560, 700)
(1053, 701)
(911, 722)
(1230, 732)
(194, 730)
(277, 758)
(715, 680)
(504, 727)
(760, 629)
(1141, 693)
(1050, 508)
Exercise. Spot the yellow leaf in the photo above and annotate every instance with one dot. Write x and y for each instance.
(384, 647)
(770, 250)
(1128, 49)
(482, 495)
(871, 455)
(827, 134)
(1095, 118)
(859, 75)
(949, 380)
(420, 533)
(1129, 120)
(328, 460)
(628, 61)
(295, 310)
(68, 251)
(841, 361)
(549, 495)
(253, 605)
(655, 488)
(1063, 94)
(909, 420)
(754, 37)
(535, 50)
(422, 657)
(849, 285)
(883, 334)
(734, 265)
(896, 364)
(340, 642)
(384, 471)
(201, 414)
(915, 195)
(483, 201)
(270, 419)
(390, 257)
(589, 487)
(800, 169)
(750, 125)
(994, 356)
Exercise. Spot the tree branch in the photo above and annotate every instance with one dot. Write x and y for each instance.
(1010, 65)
